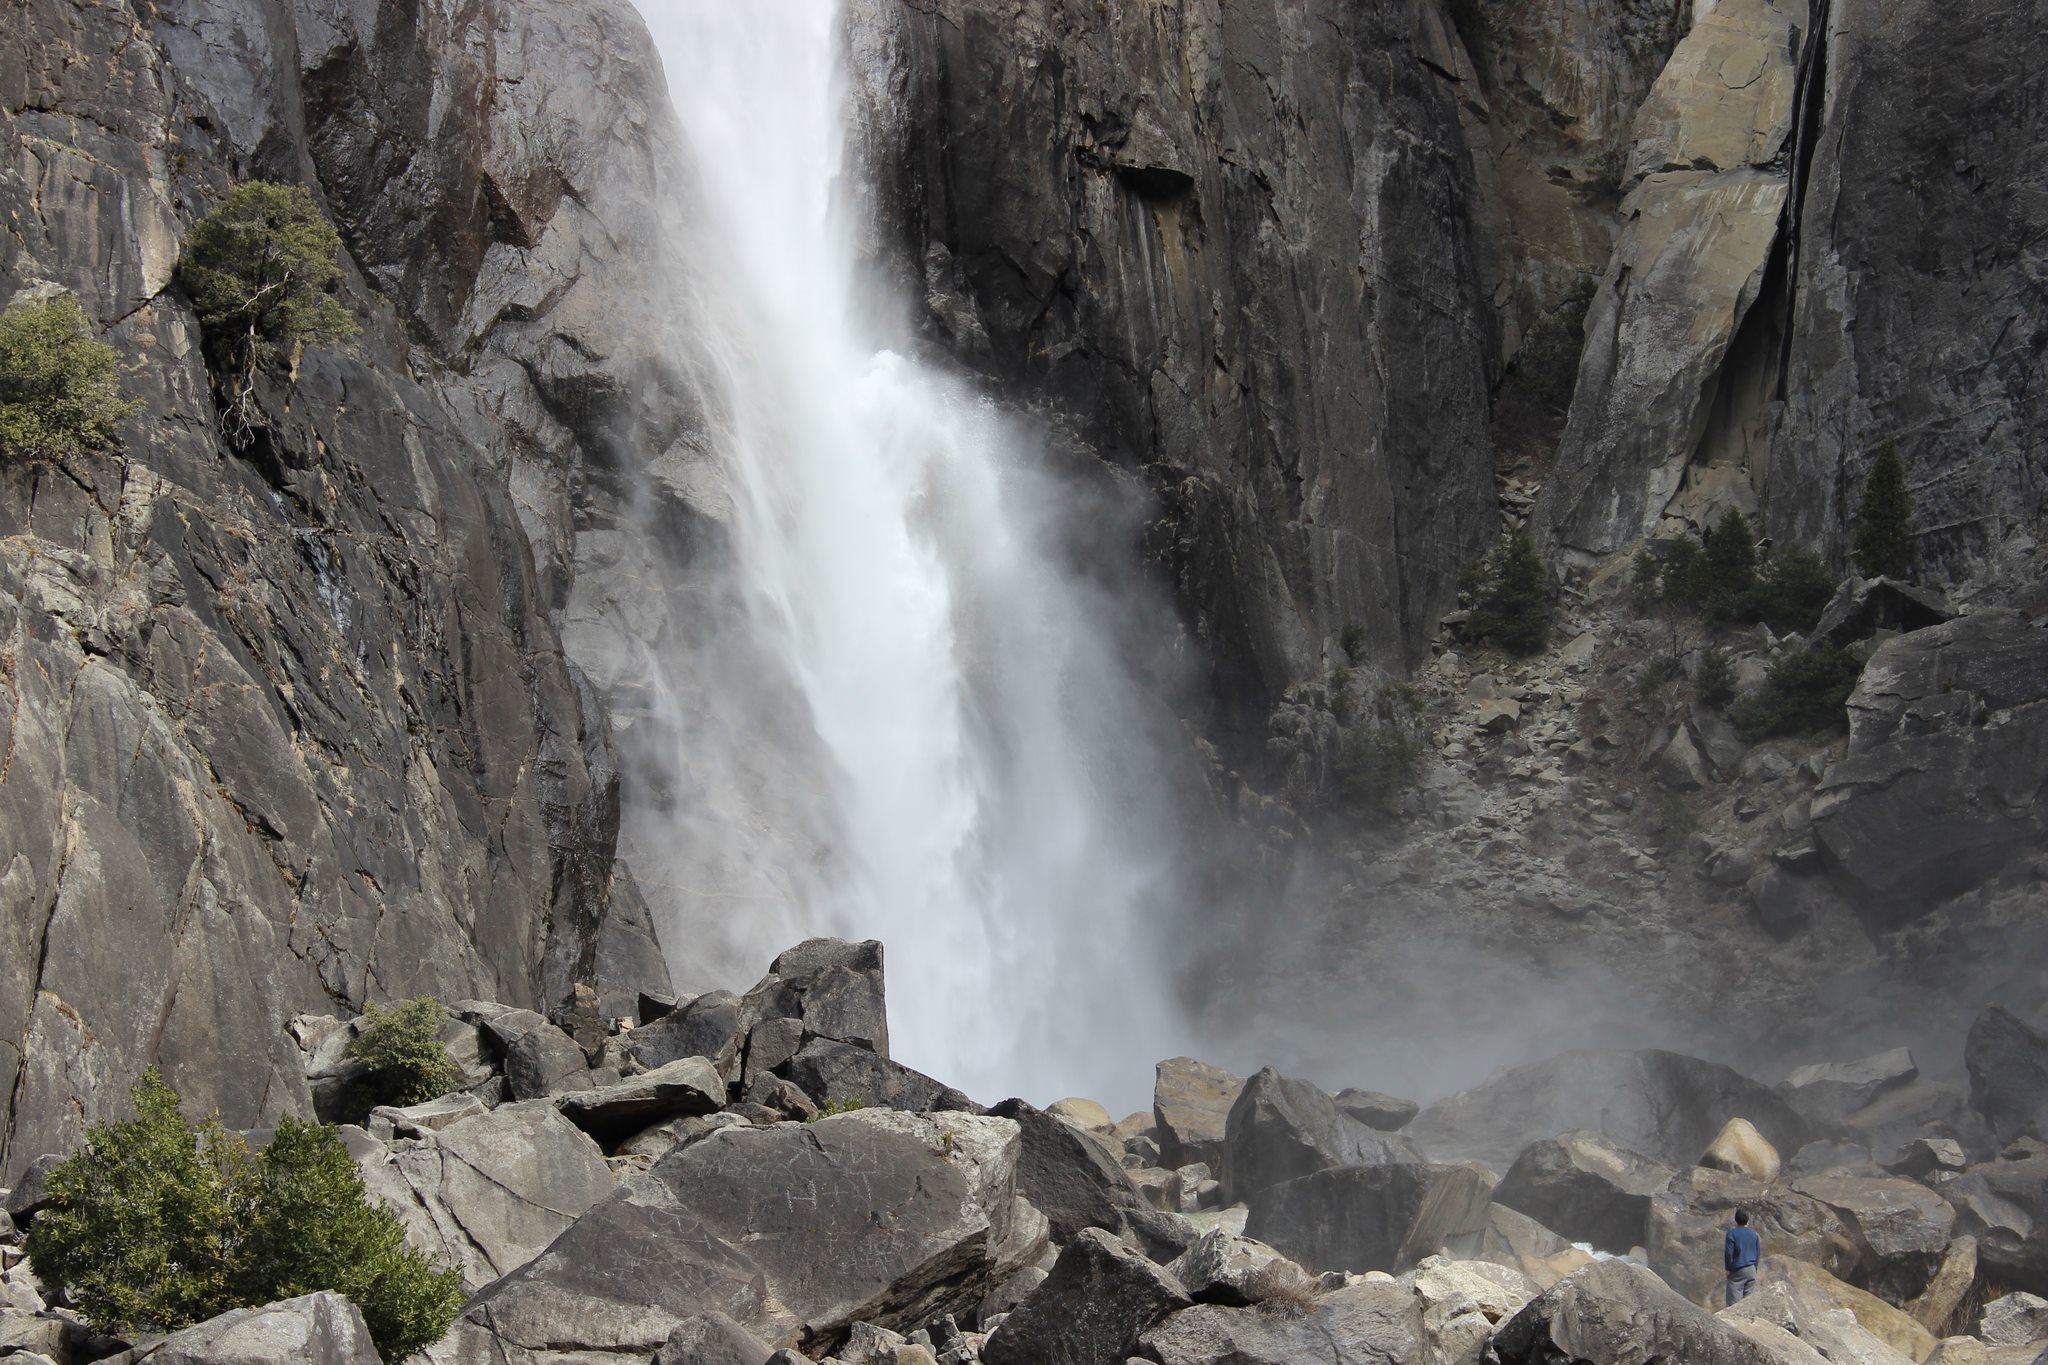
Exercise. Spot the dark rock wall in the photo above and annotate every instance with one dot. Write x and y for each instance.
(288, 726)
(1234, 242)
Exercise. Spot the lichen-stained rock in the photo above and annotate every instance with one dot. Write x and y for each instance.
(1585, 1188)
(1368, 1321)
(1156, 239)
(795, 1232)
(1099, 1298)
(487, 1193)
(1948, 760)
(316, 1329)
(1709, 185)
(1818, 1293)
(1619, 1313)
(1901, 1229)
(1191, 1102)
(1663, 1104)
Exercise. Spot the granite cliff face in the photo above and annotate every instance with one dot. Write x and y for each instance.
(289, 725)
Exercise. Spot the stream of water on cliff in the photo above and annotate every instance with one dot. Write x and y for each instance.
(892, 535)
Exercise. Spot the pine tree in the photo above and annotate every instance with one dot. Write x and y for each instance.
(1887, 542)
(1731, 567)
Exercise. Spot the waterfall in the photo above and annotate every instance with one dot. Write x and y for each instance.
(995, 802)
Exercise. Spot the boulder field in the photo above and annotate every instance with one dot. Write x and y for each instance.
(785, 1191)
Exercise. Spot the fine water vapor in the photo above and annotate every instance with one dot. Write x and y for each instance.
(974, 778)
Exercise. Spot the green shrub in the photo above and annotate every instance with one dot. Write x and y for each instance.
(851, 1105)
(1352, 641)
(1730, 568)
(1379, 754)
(262, 269)
(1805, 691)
(1685, 578)
(1656, 673)
(403, 1058)
(1714, 684)
(1887, 541)
(1511, 596)
(58, 391)
(1792, 592)
(1646, 582)
(157, 1223)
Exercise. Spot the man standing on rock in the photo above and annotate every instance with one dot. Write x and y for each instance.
(1740, 1253)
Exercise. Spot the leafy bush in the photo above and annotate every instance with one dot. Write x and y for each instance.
(1729, 581)
(155, 1224)
(58, 391)
(1887, 541)
(1714, 684)
(1352, 642)
(1805, 690)
(261, 270)
(1511, 596)
(403, 1058)
(853, 1104)
(1792, 592)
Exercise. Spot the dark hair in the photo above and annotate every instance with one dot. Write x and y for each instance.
(1742, 1217)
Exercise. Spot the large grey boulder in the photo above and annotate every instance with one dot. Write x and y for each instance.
(1585, 1188)
(1662, 1104)
(1618, 1313)
(836, 988)
(2008, 1065)
(315, 1329)
(489, 1192)
(1901, 1229)
(712, 1339)
(2014, 1320)
(920, 1213)
(1360, 1218)
(1686, 1223)
(708, 1027)
(1948, 757)
(1828, 1092)
(1281, 1128)
(1388, 1113)
(2004, 1205)
(1191, 1102)
(538, 1058)
(1368, 1321)
(1068, 1176)
(1100, 1297)
(1779, 1317)
(836, 1073)
(1227, 1269)
(683, 1088)
(1863, 606)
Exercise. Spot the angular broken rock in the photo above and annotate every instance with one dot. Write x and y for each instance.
(1361, 1218)
(1226, 1269)
(1369, 1321)
(1100, 1297)
(538, 1058)
(1191, 1102)
(919, 1213)
(1742, 1149)
(836, 988)
(1833, 1335)
(315, 1329)
(1901, 1229)
(1387, 1113)
(1614, 1311)
(1068, 1178)
(1687, 1221)
(1519, 1243)
(2014, 1320)
(1936, 1306)
(1828, 1092)
(2004, 1205)
(1585, 1188)
(1281, 1129)
(680, 1089)
(712, 1339)
(707, 1027)
(1818, 1293)
(839, 1074)
(1662, 1104)
(2008, 1064)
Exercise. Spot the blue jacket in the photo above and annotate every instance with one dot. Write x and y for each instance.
(1741, 1249)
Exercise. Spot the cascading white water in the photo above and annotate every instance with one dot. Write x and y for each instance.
(891, 533)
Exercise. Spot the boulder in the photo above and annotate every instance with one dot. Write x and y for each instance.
(1225, 1268)
(1585, 1188)
(1916, 1109)
(838, 1074)
(707, 1027)
(1191, 1103)
(1818, 1293)
(1742, 1149)
(1084, 1114)
(1938, 1304)
(314, 1329)
(1901, 1229)
(1281, 1129)
(31, 1193)
(1829, 1157)
(1359, 1218)
(415, 1120)
(712, 1339)
(1369, 1321)
(2008, 1065)
(490, 1191)
(1863, 606)
(1661, 1104)
(1387, 1113)
(1970, 1351)
(1828, 1092)
(1100, 1297)
(1688, 1221)
(1067, 1177)
(2004, 1205)
(836, 988)
(1831, 1334)
(1618, 1313)
(1521, 1244)
(920, 1213)
(680, 1089)
(1925, 1157)
(2014, 1320)
(538, 1059)
(1497, 1292)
